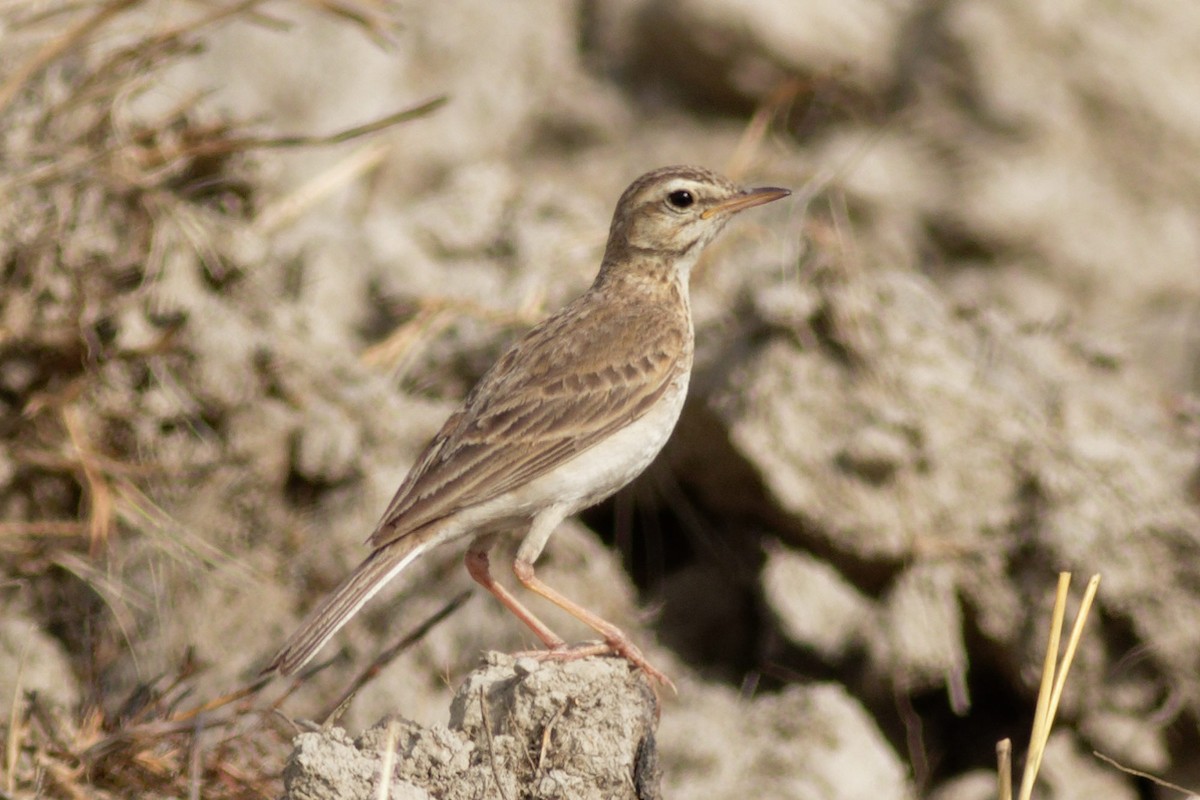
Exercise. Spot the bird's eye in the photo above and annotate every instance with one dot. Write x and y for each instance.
(681, 198)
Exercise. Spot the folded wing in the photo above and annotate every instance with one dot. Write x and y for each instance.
(547, 399)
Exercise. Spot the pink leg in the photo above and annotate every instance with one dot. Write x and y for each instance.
(476, 561)
(615, 640)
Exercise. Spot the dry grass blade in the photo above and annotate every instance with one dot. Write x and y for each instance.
(1041, 716)
(119, 598)
(56, 48)
(756, 129)
(487, 731)
(178, 540)
(101, 511)
(195, 770)
(58, 529)
(13, 748)
(1054, 678)
(282, 212)
(95, 191)
(248, 690)
(432, 316)
(216, 754)
(1060, 678)
(396, 349)
(547, 735)
(373, 16)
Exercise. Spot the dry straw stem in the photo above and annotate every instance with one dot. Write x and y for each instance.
(372, 16)
(285, 210)
(101, 509)
(15, 729)
(219, 748)
(74, 38)
(80, 153)
(1054, 678)
(757, 128)
(388, 760)
(434, 315)
(1004, 768)
(147, 748)
(59, 46)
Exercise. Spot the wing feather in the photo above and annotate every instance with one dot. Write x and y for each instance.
(547, 399)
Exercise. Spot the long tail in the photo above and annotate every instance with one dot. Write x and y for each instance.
(337, 609)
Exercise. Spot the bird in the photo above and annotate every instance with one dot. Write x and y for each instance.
(573, 411)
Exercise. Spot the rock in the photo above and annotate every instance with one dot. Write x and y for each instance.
(1070, 771)
(974, 785)
(588, 729)
(32, 661)
(327, 444)
(721, 50)
(919, 643)
(816, 607)
(874, 438)
(806, 742)
(956, 361)
(891, 431)
(581, 729)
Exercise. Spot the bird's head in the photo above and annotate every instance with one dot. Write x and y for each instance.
(674, 212)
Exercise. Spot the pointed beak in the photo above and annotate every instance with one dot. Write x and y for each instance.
(746, 199)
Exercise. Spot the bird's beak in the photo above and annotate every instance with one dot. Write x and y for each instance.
(746, 199)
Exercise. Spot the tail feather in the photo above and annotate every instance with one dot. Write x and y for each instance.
(345, 601)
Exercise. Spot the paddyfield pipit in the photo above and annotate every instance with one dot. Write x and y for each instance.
(568, 415)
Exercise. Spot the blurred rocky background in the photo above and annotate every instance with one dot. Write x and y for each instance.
(254, 252)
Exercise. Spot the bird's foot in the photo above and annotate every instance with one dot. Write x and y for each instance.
(619, 646)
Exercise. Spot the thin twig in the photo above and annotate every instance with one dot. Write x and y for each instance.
(226, 699)
(390, 654)
(1140, 774)
(231, 145)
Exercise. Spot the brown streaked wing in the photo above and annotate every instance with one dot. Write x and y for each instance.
(548, 398)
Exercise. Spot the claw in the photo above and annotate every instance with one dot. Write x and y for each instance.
(621, 648)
